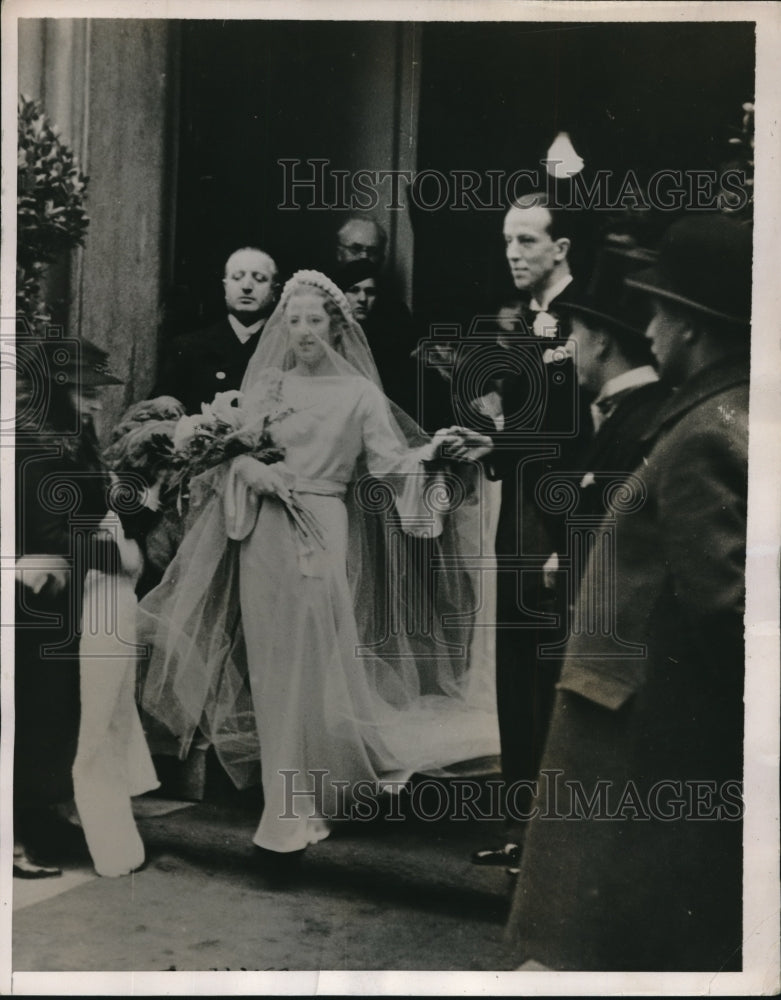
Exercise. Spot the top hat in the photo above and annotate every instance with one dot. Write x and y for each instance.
(704, 264)
(77, 363)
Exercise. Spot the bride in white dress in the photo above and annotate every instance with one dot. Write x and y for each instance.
(311, 655)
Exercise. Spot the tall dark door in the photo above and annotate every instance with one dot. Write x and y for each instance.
(253, 93)
(641, 97)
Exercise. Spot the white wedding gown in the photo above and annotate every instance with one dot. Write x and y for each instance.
(320, 703)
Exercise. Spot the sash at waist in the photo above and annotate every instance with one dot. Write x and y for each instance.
(320, 487)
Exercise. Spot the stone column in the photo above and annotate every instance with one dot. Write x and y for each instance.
(104, 83)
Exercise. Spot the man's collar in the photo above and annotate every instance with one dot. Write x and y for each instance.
(715, 378)
(541, 305)
(245, 332)
(631, 379)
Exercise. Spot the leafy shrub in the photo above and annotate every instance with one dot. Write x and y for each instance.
(51, 218)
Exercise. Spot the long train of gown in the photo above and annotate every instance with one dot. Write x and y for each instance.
(329, 712)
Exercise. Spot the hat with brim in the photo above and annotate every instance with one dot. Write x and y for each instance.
(704, 265)
(619, 318)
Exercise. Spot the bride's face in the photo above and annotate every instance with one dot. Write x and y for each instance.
(309, 327)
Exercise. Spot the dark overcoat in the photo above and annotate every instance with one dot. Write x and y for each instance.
(634, 859)
(62, 497)
(603, 461)
(198, 365)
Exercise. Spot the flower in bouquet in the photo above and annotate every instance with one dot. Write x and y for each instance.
(171, 449)
(225, 408)
(159, 408)
(221, 431)
(142, 442)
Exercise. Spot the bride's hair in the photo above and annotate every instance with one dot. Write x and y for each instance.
(350, 350)
(331, 306)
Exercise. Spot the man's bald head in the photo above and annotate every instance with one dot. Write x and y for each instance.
(250, 284)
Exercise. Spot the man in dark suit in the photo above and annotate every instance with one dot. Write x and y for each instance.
(544, 421)
(614, 364)
(201, 364)
(634, 859)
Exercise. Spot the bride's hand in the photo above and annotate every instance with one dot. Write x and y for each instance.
(464, 444)
(275, 479)
(443, 444)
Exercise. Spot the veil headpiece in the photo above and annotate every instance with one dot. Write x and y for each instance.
(318, 280)
(198, 670)
(352, 356)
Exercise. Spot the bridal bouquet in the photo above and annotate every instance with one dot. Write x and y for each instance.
(220, 432)
(169, 449)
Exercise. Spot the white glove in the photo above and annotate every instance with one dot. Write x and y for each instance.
(265, 479)
(36, 572)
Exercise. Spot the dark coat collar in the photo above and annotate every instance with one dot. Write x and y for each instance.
(708, 382)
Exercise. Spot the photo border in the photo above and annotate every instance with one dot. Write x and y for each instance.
(761, 855)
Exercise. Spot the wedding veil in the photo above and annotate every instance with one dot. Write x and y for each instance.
(415, 599)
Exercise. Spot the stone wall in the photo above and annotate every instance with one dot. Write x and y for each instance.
(105, 85)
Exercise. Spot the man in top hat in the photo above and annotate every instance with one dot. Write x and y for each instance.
(633, 860)
(199, 365)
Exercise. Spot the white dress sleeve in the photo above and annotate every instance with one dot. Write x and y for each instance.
(241, 502)
(400, 467)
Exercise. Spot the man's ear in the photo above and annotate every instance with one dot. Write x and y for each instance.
(604, 343)
(562, 247)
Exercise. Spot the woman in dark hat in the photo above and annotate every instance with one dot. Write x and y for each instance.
(63, 499)
(389, 330)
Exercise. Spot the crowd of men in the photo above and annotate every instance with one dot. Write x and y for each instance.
(616, 418)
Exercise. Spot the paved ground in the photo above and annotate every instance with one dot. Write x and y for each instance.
(382, 895)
